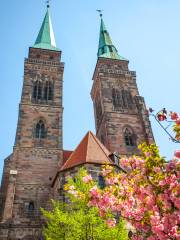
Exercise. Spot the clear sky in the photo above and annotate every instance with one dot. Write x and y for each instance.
(147, 32)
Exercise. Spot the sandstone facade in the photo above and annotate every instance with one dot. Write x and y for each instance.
(29, 171)
(118, 106)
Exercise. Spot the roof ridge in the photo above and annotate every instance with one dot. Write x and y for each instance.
(88, 133)
(100, 145)
(72, 154)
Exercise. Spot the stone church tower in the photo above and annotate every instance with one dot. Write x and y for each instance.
(38, 162)
(28, 171)
(120, 114)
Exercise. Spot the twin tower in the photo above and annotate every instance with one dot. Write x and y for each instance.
(120, 116)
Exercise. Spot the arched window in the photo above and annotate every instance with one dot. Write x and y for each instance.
(117, 98)
(110, 49)
(129, 138)
(48, 91)
(31, 208)
(129, 100)
(40, 131)
(37, 91)
(124, 98)
(101, 182)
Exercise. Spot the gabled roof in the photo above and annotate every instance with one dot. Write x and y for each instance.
(66, 155)
(106, 48)
(45, 38)
(90, 150)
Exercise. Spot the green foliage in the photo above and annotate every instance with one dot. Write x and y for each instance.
(77, 221)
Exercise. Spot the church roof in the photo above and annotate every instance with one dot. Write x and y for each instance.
(45, 38)
(66, 155)
(90, 150)
(106, 48)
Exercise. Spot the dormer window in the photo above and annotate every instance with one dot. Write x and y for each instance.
(110, 49)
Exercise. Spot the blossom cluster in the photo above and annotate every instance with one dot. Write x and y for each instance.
(176, 118)
(145, 193)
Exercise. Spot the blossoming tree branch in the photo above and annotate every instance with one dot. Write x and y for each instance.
(143, 191)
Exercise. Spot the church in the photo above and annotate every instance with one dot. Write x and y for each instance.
(38, 167)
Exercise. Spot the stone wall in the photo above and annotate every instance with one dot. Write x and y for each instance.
(111, 120)
(29, 171)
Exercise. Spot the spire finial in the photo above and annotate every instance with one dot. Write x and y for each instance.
(45, 38)
(100, 12)
(106, 48)
(48, 3)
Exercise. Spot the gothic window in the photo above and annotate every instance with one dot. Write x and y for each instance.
(110, 49)
(30, 208)
(37, 91)
(122, 99)
(101, 182)
(48, 91)
(129, 99)
(129, 138)
(40, 131)
(117, 98)
(103, 50)
(42, 91)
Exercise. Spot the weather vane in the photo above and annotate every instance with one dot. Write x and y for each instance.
(48, 3)
(100, 12)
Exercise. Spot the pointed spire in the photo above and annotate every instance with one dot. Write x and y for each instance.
(106, 48)
(45, 38)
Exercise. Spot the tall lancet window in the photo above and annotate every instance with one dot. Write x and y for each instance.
(48, 91)
(31, 208)
(40, 130)
(37, 91)
(117, 98)
(129, 138)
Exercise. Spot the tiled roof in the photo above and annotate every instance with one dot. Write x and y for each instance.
(90, 150)
(66, 155)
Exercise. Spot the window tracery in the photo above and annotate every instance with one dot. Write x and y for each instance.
(40, 130)
(122, 99)
(42, 90)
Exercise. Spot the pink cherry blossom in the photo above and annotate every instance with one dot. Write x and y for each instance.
(177, 154)
(94, 192)
(178, 121)
(174, 115)
(87, 178)
(145, 195)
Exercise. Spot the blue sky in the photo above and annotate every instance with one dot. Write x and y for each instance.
(147, 32)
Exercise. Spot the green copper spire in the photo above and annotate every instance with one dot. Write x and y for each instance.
(45, 38)
(106, 48)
